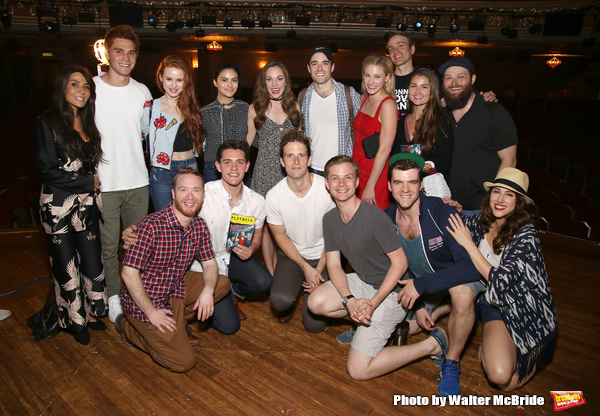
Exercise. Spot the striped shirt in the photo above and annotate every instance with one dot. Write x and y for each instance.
(163, 254)
(221, 124)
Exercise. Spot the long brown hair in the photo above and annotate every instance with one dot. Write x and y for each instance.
(433, 115)
(523, 214)
(187, 102)
(262, 99)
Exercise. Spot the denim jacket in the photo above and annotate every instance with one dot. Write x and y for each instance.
(159, 129)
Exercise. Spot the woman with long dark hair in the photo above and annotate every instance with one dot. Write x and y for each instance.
(426, 124)
(518, 312)
(173, 127)
(67, 149)
(223, 119)
(378, 114)
(273, 113)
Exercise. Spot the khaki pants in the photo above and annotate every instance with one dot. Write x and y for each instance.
(172, 350)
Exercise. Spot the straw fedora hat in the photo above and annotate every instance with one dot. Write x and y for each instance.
(513, 179)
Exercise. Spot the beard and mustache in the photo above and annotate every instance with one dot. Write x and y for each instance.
(456, 102)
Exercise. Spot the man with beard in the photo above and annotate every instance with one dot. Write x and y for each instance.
(223, 198)
(485, 136)
(400, 47)
(328, 109)
(158, 296)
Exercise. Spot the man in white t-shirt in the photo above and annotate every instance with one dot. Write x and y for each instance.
(328, 109)
(122, 171)
(295, 209)
(221, 199)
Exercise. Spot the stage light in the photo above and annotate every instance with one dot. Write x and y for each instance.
(247, 23)
(431, 29)
(51, 24)
(509, 33)
(265, 23)
(6, 19)
(401, 27)
(193, 23)
(453, 28)
(152, 21)
(228, 23)
(69, 20)
(173, 26)
(417, 26)
(535, 28)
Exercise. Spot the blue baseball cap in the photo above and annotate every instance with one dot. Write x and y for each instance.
(457, 61)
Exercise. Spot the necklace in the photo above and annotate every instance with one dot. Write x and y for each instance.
(416, 119)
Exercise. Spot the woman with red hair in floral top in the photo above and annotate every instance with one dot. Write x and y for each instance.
(172, 125)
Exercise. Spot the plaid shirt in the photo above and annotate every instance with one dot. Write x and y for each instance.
(345, 144)
(163, 254)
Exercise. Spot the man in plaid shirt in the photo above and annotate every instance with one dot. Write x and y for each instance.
(159, 297)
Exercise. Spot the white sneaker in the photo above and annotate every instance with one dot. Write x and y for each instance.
(4, 313)
(114, 307)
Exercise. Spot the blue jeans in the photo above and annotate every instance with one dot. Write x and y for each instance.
(246, 276)
(212, 174)
(161, 181)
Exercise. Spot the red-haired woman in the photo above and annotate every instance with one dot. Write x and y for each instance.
(172, 125)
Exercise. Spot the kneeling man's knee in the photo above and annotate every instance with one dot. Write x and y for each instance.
(183, 364)
(462, 297)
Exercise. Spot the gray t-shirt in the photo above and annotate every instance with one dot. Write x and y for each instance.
(364, 241)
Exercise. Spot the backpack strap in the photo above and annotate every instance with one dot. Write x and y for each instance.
(350, 109)
(301, 97)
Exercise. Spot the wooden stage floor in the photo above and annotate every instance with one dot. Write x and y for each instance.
(267, 368)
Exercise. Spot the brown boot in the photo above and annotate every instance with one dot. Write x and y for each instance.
(193, 339)
(240, 312)
(285, 316)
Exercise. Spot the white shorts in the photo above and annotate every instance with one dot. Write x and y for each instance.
(370, 339)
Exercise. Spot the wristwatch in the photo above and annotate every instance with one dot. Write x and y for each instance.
(346, 299)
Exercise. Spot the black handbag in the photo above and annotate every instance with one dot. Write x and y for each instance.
(45, 322)
(371, 145)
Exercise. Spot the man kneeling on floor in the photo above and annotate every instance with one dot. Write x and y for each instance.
(159, 297)
(439, 264)
(367, 238)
